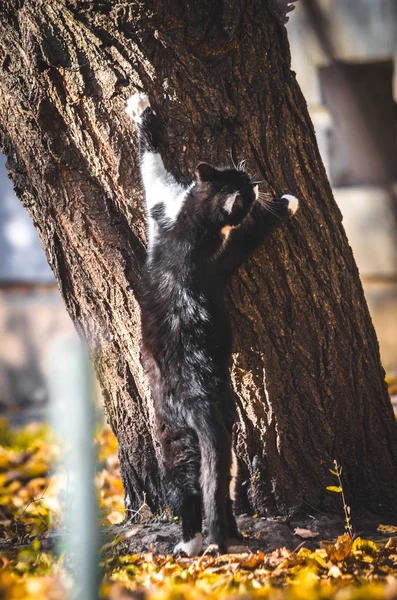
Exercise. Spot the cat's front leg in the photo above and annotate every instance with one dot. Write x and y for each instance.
(254, 230)
(136, 105)
(293, 203)
(161, 188)
(149, 130)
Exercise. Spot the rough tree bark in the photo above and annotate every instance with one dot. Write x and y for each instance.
(306, 364)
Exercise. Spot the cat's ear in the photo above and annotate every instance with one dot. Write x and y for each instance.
(204, 172)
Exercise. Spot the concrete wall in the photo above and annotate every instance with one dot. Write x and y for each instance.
(362, 30)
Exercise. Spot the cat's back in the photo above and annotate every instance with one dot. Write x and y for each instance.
(174, 292)
(183, 311)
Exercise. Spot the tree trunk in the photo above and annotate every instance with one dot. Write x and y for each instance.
(306, 364)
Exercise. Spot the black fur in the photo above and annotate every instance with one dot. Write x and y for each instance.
(187, 337)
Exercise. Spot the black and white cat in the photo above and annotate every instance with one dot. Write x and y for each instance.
(197, 237)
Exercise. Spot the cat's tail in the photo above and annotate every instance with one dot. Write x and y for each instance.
(216, 459)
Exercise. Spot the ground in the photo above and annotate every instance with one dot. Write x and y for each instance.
(318, 557)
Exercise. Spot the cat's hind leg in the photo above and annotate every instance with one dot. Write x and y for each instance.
(182, 466)
(216, 458)
(191, 514)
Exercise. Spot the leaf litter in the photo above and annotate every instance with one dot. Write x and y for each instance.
(31, 506)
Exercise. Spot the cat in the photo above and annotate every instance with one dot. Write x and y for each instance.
(198, 235)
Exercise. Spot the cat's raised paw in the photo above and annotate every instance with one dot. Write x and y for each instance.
(293, 203)
(136, 105)
(191, 548)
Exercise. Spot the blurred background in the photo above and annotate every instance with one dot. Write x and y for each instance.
(343, 53)
(358, 147)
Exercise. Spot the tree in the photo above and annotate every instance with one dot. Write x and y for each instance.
(306, 364)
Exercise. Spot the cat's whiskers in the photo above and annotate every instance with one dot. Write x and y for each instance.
(267, 197)
(265, 201)
(255, 178)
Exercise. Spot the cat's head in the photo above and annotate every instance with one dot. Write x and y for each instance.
(224, 195)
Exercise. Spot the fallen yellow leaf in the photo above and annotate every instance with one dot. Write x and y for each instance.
(387, 528)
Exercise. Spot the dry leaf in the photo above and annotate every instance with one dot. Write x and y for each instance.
(367, 547)
(341, 549)
(387, 528)
(334, 572)
(305, 533)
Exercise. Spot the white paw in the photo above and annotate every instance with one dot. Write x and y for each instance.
(212, 549)
(193, 547)
(293, 203)
(136, 104)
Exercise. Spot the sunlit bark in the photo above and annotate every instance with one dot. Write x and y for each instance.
(306, 364)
